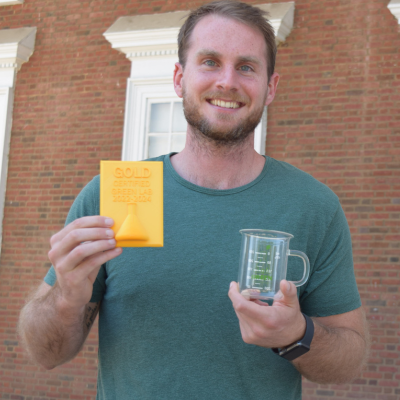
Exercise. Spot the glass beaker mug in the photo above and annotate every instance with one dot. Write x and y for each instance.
(263, 262)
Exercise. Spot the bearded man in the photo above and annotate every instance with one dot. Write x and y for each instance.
(167, 329)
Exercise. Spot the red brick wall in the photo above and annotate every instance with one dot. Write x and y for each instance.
(336, 116)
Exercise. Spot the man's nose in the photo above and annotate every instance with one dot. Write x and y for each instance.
(227, 79)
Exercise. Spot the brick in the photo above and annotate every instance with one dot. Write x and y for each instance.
(334, 116)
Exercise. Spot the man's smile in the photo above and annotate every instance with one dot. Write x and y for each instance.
(225, 104)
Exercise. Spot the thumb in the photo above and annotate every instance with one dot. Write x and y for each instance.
(287, 294)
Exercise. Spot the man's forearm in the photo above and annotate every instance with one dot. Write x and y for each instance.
(53, 333)
(337, 355)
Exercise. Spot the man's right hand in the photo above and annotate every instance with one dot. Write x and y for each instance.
(77, 253)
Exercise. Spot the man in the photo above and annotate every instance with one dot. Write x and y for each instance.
(167, 329)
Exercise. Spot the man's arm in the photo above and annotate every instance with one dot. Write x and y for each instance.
(56, 321)
(339, 347)
(53, 334)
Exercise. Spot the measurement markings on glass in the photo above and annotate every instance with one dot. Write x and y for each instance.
(262, 268)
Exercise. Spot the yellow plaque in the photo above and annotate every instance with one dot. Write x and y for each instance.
(131, 193)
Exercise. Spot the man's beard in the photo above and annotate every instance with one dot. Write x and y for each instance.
(229, 136)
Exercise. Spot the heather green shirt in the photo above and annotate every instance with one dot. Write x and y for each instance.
(167, 329)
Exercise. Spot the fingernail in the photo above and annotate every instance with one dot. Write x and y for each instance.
(112, 241)
(110, 233)
(231, 284)
(109, 222)
(288, 286)
(279, 295)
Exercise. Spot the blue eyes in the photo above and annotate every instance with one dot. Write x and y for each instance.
(210, 63)
(243, 68)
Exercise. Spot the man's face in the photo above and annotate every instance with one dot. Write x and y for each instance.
(224, 84)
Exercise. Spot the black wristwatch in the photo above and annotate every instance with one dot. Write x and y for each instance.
(300, 347)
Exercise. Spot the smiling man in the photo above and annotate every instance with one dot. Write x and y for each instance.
(167, 329)
(231, 85)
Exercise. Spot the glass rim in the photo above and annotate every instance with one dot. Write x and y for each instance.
(262, 233)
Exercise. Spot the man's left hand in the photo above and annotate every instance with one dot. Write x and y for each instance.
(278, 325)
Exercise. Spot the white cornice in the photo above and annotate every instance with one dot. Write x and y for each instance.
(8, 65)
(152, 53)
(281, 17)
(155, 35)
(394, 7)
(16, 46)
(144, 41)
(10, 2)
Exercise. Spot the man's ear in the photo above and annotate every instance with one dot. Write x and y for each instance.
(272, 86)
(178, 76)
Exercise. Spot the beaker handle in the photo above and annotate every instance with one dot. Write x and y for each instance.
(306, 262)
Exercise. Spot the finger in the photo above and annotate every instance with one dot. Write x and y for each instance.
(233, 293)
(81, 252)
(103, 258)
(254, 331)
(242, 305)
(77, 284)
(245, 330)
(235, 296)
(81, 223)
(90, 266)
(80, 236)
(247, 293)
(287, 294)
(251, 294)
(260, 303)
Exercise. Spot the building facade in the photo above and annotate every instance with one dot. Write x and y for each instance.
(84, 81)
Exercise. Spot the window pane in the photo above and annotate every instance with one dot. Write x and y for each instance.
(158, 145)
(178, 142)
(159, 117)
(179, 123)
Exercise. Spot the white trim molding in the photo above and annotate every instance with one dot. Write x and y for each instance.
(394, 7)
(260, 133)
(140, 91)
(10, 2)
(281, 17)
(16, 46)
(154, 34)
(150, 43)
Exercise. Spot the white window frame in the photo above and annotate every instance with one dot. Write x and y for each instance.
(170, 132)
(140, 92)
(150, 43)
(16, 47)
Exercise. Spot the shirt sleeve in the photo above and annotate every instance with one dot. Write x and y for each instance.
(332, 287)
(86, 204)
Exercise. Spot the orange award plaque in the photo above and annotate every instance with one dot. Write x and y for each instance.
(131, 193)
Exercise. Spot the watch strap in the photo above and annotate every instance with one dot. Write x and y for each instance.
(299, 347)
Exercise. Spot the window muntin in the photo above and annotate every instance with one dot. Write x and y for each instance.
(166, 125)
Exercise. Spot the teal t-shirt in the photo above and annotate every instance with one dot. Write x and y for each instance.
(167, 329)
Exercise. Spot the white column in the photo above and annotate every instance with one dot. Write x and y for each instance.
(16, 46)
